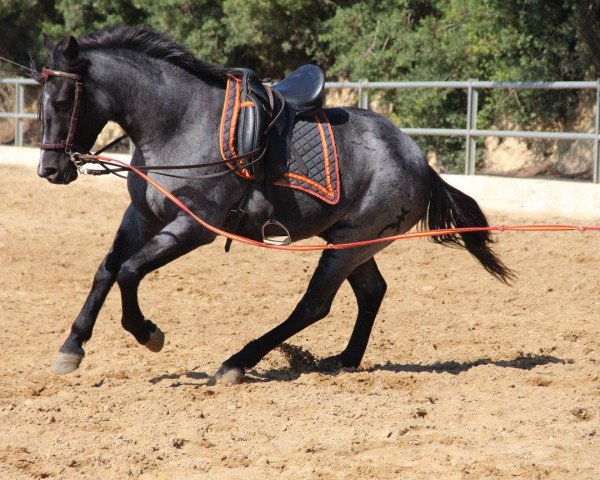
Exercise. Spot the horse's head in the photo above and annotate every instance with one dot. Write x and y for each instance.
(70, 118)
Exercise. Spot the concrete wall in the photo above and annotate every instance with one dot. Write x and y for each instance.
(19, 156)
(533, 198)
(30, 156)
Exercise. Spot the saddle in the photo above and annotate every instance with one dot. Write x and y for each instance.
(278, 134)
(249, 108)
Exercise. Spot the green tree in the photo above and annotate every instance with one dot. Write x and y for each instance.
(20, 25)
(84, 16)
(196, 24)
(462, 39)
(274, 36)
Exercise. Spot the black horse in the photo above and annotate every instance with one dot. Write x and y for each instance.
(170, 104)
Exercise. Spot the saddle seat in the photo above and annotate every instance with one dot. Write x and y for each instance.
(303, 89)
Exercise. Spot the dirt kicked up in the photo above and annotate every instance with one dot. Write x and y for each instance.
(464, 378)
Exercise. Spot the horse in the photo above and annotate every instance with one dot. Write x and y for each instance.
(169, 103)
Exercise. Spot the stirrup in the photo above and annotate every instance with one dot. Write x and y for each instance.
(279, 235)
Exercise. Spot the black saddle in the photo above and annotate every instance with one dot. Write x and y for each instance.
(251, 105)
(303, 89)
(258, 116)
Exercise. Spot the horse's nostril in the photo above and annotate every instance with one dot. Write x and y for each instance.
(48, 172)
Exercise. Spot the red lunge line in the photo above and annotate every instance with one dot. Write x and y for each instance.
(341, 246)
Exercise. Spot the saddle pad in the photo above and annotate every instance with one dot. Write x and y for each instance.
(313, 167)
(317, 173)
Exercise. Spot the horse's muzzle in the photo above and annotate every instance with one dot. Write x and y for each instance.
(56, 167)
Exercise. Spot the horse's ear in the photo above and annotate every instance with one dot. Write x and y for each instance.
(48, 45)
(71, 51)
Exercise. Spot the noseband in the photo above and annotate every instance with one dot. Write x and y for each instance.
(67, 145)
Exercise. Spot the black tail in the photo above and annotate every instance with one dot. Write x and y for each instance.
(451, 208)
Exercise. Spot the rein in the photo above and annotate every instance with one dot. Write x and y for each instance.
(80, 158)
(341, 246)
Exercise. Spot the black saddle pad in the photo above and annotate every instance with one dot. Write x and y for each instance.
(315, 167)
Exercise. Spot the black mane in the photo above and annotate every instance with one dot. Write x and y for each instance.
(137, 39)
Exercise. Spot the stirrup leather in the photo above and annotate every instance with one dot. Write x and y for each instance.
(274, 233)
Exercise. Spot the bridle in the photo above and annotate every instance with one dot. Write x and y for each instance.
(67, 144)
(79, 158)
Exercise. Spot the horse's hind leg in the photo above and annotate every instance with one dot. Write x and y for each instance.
(334, 267)
(130, 237)
(369, 288)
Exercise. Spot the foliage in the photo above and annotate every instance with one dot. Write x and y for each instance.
(372, 39)
(19, 28)
(274, 36)
(196, 24)
(462, 39)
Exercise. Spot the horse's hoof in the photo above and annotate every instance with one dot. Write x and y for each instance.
(66, 363)
(337, 362)
(227, 376)
(156, 341)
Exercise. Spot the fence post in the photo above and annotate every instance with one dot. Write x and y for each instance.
(468, 135)
(363, 95)
(473, 141)
(596, 163)
(19, 103)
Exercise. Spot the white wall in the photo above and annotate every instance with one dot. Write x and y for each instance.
(535, 198)
(532, 197)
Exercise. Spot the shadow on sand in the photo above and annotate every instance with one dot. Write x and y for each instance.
(302, 361)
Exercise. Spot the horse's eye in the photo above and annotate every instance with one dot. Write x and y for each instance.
(61, 106)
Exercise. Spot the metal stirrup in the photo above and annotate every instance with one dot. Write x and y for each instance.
(281, 237)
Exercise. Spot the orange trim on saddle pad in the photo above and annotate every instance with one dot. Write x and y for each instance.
(318, 171)
(314, 140)
(228, 127)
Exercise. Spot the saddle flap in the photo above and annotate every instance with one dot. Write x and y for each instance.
(246, 112)
(252, 122)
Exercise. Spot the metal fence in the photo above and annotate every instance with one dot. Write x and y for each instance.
(469, 133)
(19, 114)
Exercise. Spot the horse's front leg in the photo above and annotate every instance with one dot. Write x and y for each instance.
(178, 238)
(131, 236)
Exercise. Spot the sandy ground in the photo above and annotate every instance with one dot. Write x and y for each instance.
(463, 378)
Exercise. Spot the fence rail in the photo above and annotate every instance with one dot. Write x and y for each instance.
(470, 132)
(19, 114)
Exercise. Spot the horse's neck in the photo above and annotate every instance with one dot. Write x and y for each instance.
(155, 101)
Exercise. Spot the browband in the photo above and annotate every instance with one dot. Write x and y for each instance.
(46, 72)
